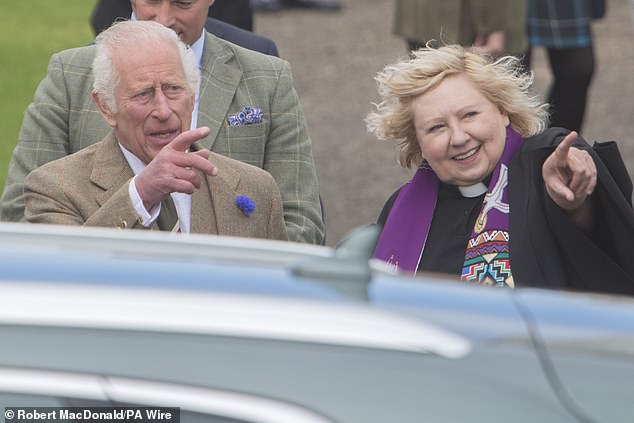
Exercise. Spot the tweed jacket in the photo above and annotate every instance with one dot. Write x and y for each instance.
(63, 119)
(241, 37)
(459, 21)
(90, 188)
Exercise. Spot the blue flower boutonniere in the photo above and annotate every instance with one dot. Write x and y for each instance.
(245, 204)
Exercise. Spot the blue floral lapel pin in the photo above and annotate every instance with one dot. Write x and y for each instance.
(245, 204)
(247, 116)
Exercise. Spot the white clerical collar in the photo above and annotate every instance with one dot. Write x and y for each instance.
(472, 191)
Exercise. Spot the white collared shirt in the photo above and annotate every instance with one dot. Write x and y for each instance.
(198, 48)
(182, 202)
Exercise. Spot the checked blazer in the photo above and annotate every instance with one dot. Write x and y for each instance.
(63, 119)
(90, 188)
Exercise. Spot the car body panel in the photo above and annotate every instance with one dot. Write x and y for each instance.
(304, 328)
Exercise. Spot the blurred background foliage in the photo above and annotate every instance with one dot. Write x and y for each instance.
(30, 33)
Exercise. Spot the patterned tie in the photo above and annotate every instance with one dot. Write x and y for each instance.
(168, 217)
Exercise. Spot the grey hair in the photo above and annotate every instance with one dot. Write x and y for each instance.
(503, 82)
(133, 36)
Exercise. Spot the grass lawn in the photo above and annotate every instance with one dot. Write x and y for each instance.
(31, 31)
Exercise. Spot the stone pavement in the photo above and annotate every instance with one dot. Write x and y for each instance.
(334, 57)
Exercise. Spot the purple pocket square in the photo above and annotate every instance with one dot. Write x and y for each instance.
(247, 116)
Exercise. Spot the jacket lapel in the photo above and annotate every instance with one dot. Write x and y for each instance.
(218, 86)
(213, 208)
(203, 218)
(111, 170)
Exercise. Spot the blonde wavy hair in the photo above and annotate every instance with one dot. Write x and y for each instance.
(504, 82)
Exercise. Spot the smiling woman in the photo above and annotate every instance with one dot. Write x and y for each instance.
(496, 199)
(444, 134)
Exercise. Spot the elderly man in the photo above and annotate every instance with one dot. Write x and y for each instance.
(247, 100)
(145, 84)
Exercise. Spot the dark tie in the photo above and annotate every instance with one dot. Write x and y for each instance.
(168, 217)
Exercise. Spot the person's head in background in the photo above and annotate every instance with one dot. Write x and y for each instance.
(185, 17)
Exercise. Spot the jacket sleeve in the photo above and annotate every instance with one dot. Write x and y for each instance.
(547, 249)
(276, 226)
(289, 158)
(49, 199)
(43, 138)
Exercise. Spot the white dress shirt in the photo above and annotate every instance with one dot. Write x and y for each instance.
(197, 48)
(182, 202)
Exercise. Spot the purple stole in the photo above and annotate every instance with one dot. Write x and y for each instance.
(404, 235)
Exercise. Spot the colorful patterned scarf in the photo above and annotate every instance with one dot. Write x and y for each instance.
(405, 232)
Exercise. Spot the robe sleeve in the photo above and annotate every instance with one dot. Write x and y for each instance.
(547, 250)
